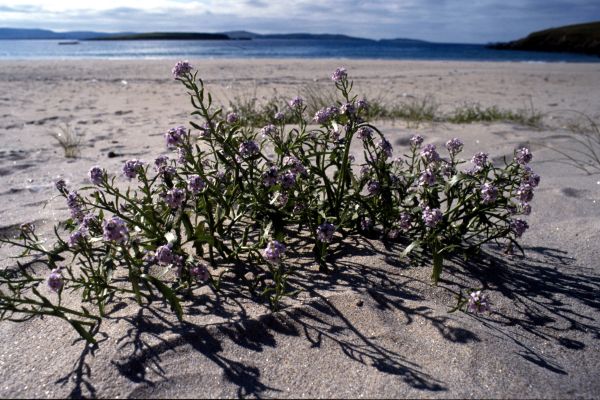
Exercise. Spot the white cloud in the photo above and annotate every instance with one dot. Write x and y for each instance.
(436, 20)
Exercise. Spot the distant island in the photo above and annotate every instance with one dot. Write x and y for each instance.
(581, 38)
(44, 34)
(164, 36)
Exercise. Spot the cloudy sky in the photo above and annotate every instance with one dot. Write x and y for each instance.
(463, 21)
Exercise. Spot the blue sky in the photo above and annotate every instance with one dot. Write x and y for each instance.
(466, 21)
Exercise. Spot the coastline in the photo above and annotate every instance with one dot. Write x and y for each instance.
(379, 330)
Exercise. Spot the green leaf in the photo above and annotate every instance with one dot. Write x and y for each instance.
(168, 294)
(195, 125)
(438, 263)
(267, 231)
(411, 247)
(202, 236)
(455, 179)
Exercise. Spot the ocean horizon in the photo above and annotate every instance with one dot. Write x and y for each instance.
(273, 48)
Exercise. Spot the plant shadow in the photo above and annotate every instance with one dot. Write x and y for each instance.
(540, 287)
(551, 298)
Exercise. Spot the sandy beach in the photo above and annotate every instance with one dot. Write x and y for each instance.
(377, 328)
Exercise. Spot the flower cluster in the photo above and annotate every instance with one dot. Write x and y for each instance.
(55, 280)
(115, 230)
(181, 69)
(97, 175)
(176, 136)
(478, 303)
(325, 115)
(274, 252)
(133, 168)
(339, 74)
(325, 232)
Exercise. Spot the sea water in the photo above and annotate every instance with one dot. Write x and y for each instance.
(273, 48)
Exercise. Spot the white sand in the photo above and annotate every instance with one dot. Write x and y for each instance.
(375, 329)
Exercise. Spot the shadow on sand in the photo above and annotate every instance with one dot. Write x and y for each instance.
(542, 289)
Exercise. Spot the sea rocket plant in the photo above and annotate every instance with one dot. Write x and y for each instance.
(227, 197)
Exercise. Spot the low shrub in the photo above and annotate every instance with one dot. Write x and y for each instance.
(228, 201)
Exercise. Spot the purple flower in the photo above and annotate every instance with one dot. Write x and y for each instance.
(97, 175)
(77, 237)
(478, 303)
(162, 167)
(386, 147)
(446, 169)
(296, 102)
(523, 156)
(518, 226)
(181, 68)
(270, 176)
(525, 192)
(89, 220)
(281, 198)
(429, 153)
(405, 221)
(248, 149)
(530, 177)
(232, 118)
(427, 178)
(164, 255)
(274, 252)
(324, 115)
(160, 162)
(204, 131)
(454, 146)
(362, 104)
(347, 109)
(364, 133)
(366, 224)
(432, 216)
(325, 232)
(174, 197)
(416, 141)
(339, 74)
(176, 136)
(74, 204)
(55, 280)
(115, 230)
(269, 131)
(321, 116)
(295, 165)
(525, 208)
(279, 116)
(196, 184)
(182, 154)
(60, 185)
(132, 168)
(200, 272)
(479, 160)
(288, 180)
(73, 200)
(373, 188)
(489, 193)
